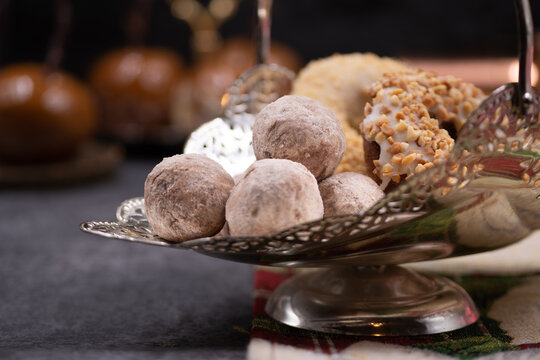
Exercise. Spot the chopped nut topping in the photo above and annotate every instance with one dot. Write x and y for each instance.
(412, 134)
(442, 114)
(402, 84)
(467, 108)
(419, 168)
(367, 128)
(403, 146)
(407, 110)
(384, 110)
(387, 170)
(407, 160)
(448, 102)
(367, 109)
(387, 130)
(394, 148)
(429, 150)
(456, 94)
(428, 101)
(396, 159)
(440, 89)
(380, 121)
(401, 126)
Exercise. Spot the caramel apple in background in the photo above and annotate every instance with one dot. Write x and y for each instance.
(199, 98)
(134, 88)
(47, 120)
(45, 115)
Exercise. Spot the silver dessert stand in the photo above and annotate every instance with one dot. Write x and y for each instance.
(486, 196)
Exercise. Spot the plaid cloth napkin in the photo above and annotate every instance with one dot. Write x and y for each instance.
(505, 285)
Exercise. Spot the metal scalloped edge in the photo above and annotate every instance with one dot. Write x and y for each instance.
(122, 211)
(127, 232)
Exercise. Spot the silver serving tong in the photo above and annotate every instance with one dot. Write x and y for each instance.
(228, 139)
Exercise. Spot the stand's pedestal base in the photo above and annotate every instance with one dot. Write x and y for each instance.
(382, 301)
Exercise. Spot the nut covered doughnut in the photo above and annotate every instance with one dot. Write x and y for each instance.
(404, 127)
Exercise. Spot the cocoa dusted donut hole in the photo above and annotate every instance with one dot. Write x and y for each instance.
(185, 197)
(273, 195)
(302, 130)
(349, 193)
(45, 115)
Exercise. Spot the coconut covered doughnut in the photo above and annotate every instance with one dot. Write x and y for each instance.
(404, 125)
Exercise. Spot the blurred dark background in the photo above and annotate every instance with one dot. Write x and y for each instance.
(315, 28)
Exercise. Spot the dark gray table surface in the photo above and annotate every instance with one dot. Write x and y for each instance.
(67, 294)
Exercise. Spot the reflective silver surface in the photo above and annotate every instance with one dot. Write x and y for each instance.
(377, 301)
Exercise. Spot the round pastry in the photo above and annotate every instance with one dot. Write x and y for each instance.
(185, 197)
(342, 83)
(401, 129)
(349, 193)
(274, 194)
(300, 129)
(134, 86)
(44, 114)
